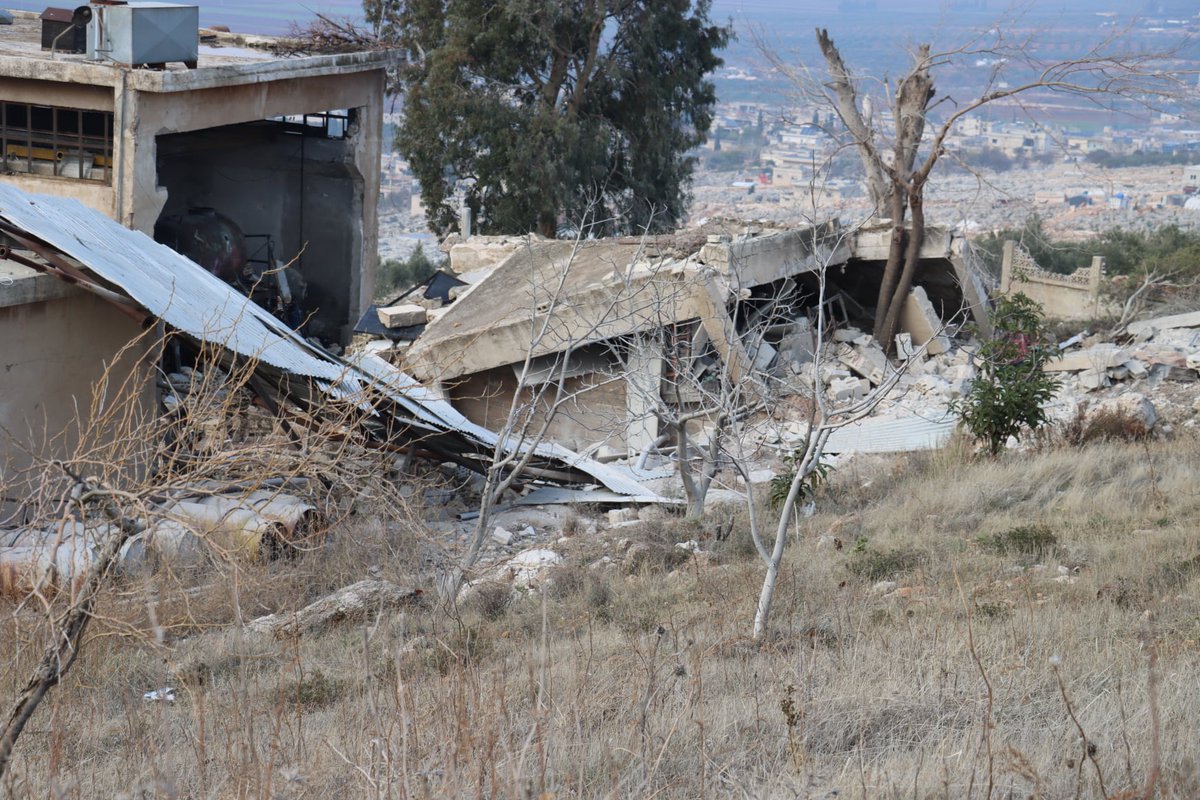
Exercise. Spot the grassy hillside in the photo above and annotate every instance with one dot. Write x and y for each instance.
(946, 627)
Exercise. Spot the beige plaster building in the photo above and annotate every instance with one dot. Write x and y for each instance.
(285, 147)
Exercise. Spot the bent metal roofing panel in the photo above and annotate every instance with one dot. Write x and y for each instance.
(196, 302)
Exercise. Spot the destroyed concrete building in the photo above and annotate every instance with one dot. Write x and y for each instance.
(152, 122)
(640, 320)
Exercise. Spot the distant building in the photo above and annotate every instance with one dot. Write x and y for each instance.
(1191, 179)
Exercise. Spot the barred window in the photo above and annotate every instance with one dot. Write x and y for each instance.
(66, 142)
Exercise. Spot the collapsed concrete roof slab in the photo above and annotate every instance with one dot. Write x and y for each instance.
(599, 290)
(940, 244)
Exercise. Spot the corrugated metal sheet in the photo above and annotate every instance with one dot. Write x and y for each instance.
(893, 434)
(168, 285)
(187, 297)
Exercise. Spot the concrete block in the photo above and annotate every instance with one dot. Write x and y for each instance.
(959, 372)
(830, 373)
(932, 385)
(403, 315)
(905, 349)
(870, 362)
(848, 389)
(866, 340)
(919, 318)
(1092, 379)
(795, 431)
(1136, 368)
(846, 334)
(764, 354)
(619, 515)
(1101, 357)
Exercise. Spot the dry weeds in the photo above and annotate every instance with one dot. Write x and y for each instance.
(1077, 565)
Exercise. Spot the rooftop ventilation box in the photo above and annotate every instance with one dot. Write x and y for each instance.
(144, 33)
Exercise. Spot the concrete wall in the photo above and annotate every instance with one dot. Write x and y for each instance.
(92, 194)
(597, 414)
(56, 352)
(1075, 296)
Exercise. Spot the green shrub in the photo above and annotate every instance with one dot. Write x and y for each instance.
(877, 565)
(1030, 540)
(1009, 392)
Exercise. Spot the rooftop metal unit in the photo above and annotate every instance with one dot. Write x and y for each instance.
(144, 33)
(60, 31)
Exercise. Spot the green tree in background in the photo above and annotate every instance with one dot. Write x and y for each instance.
(395, 274)
(553, 110)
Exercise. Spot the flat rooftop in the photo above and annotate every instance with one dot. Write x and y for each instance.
(20, 284)
(225, 59)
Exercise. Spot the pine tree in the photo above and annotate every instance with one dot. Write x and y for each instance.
(550, 112)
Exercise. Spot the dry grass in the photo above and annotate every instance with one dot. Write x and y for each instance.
(616, 682)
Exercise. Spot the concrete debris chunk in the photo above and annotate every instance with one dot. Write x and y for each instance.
(402, 316)
(848, 389)
(529, 567)
(352, 603)
(502, 536)
(919, 319)
(846, 334)
(618, 515)
(1092, 379)
(1101, 357)
(1136, 368)
(1151, 326)
(870, 362)
(905, 349)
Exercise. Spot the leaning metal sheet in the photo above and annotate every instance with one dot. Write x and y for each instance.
(189, 298)
(168, 285)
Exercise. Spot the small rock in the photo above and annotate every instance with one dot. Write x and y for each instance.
(502, 536)
(528, 566)
(618, 515)
(637, 555)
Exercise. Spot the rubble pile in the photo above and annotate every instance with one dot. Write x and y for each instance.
(1144, 377)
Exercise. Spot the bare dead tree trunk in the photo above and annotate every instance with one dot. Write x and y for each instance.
(891, 270)
(891, 186)
(886, 334)
(845, 94)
